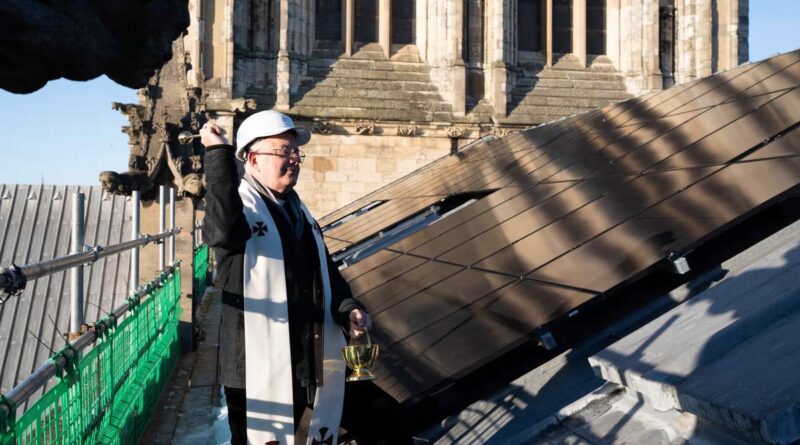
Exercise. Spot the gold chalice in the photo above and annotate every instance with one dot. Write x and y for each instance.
(360, 359)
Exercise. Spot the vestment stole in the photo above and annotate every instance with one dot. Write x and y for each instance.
(270, 413)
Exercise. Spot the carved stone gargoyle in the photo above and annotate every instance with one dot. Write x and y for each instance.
(124, 183)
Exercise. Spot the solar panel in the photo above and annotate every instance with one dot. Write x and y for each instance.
(573, 209)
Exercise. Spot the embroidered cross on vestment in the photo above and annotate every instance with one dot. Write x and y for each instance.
(260, 229)
(325, 437)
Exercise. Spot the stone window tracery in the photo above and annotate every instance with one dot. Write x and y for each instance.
(529, 25)
(328, 20)
(562, 26)
(596, 27)
(366, 21)
(403, 21)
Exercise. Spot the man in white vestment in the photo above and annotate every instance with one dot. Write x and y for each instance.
(284, 301)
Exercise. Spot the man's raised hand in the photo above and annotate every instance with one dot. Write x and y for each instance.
(211, 134)
(360, 322)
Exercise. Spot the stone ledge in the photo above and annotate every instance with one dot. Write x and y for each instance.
(761, 397)
(575, 92)
(577, 102)
(370, 93)
(346, 82)
(368, 74)
(617, 85)
(730, 355)
(364, 64)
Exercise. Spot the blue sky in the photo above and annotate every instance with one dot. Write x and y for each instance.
(67, 133)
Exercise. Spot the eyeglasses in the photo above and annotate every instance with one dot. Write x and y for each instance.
(284, 152)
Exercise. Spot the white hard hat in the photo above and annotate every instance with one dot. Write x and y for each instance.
(264, 124)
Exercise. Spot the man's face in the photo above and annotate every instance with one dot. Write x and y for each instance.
(272, 163)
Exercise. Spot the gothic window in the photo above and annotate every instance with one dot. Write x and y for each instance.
(473, 49)
(562, 26)
(328, 20)
(529, 29)
(666, 42)
(259, 36)
(366, 23)
(402, 21)
(596, 26)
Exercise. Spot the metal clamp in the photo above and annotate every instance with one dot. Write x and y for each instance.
(96, 252)
(69, 361)
(14, 282)
(133, 300)
(8, 414)
(105, 325)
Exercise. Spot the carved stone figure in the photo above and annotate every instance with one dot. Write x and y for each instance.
(137, 163)
(322, 127)
(193, 185)
(365, 128)
(167, 107)
(406, 130)
(500, 132)
(454, 132)
(124, 183)
(197, 162)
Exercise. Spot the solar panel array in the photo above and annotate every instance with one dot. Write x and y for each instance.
(35, 225)
(575, 208)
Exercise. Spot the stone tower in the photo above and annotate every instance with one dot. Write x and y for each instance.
(389, 85)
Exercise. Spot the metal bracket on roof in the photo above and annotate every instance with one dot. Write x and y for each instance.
(65, 360)
(678, 262)
(547, 340)
(12, 282)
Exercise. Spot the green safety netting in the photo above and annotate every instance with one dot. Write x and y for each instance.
(200, 266)
(106, 395)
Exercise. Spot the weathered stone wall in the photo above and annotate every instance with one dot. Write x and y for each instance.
(216, 32)
(340, 168)
(265, 50)
(261, 49)
(500, 29)
(710, 36)
(444, 37)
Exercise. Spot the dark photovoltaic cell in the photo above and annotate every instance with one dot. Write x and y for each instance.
(622, 252)
(783, 147)
(430, 303)
(495, 322)
(418, 275)
(568, 211)
(487, 222)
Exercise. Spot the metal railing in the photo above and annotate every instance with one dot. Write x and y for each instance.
(14, 279)
(107, 394)
(104, 395)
